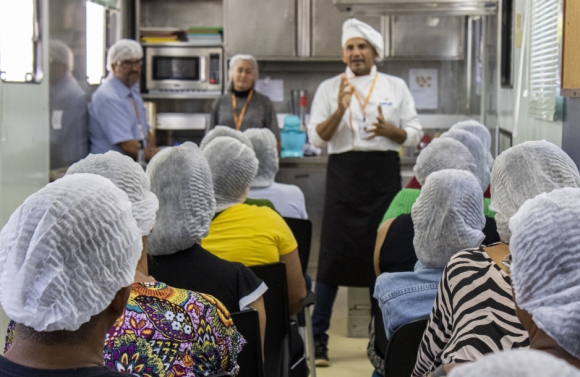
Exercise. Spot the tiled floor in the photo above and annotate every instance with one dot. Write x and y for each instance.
(348, 356)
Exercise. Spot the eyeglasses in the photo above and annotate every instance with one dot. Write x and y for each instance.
(129, 63)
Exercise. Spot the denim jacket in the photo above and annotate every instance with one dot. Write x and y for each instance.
(406, 296)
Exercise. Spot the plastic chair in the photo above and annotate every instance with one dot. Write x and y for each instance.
(403, 348)
(277, 340)
(250, 359)
(302, 230)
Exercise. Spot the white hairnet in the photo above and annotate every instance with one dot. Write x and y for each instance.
(266, 149)
(66, 252)
(127, 175)
(123, 49)
(442, 154)
(233, 167)
(234, 62)
(353, 28)
(59, 52)
(516, 363)
(181, 178)
(545, 247)
(224, 131)
(477, 149)
(481, 132)
(447, 216)
(524, 171)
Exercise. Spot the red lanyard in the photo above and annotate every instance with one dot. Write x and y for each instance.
(238, 119)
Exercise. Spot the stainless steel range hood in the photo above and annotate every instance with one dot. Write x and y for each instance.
(441, 7)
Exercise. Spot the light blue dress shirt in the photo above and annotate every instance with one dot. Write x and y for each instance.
(406, 296)
(112, 117)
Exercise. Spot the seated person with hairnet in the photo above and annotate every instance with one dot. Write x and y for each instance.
(218, 131)
(288, 199)
(471, 126)
(461, 328)
(516, 363)
(181, 179)
(448, 217)
(163, 330)
(245, 233)
(117, 119)
(544, 269)
(65, 293)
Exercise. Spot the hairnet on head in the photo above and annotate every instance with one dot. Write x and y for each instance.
(127, 175)
(442, 154)
(266, 149)
(477, 150)
(447, 216)
(545, 248)
(481, 132)
(181, 178)
(123, 49)
(524, 171)
(224, 131)
(516, 363)
(233, 167)
(234, 63)
(59, 52)
(353, 28)
(66, 251)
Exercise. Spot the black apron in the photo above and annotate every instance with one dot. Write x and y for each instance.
(359, 189)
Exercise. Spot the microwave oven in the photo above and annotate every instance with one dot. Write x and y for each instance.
(183, 69)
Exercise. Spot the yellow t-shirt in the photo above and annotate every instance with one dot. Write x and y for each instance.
(250, 235)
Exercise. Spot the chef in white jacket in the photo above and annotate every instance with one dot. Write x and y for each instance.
(363, 116)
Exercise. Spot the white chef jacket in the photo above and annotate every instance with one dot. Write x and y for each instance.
(390, 92)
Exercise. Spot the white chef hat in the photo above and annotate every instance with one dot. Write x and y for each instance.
(516, 363)
(123, 49)
(546, 258)
(353, 28)
(266, 148)
(181, 178)
(66, 252)
(127, 175)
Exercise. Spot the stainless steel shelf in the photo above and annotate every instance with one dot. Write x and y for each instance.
(180, 96)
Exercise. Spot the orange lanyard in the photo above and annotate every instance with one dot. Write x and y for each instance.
(367, 99)
(238, 119)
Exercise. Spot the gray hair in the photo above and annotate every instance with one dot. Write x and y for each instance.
(234, 62)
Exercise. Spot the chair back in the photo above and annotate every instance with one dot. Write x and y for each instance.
(403, 348)
(302, 230)
(250, 359)
(277, 342)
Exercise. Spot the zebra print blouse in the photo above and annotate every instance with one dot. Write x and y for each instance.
(473, 314)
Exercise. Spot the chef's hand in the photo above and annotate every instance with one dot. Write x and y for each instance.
(384, 128)
(344, 94)
(149, 152)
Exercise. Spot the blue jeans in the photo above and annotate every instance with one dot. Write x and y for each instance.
(325, 296)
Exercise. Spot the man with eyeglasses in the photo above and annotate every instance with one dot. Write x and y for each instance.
(116, 112)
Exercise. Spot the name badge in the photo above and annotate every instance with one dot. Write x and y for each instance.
(362, 127)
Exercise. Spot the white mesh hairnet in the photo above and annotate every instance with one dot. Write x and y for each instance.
(233, 167)
(545, 248)
(234, 62)
(477, 150)
(59, 52)
(524, 171)
(224, 131)
(181, 178)
(66, 251)
(123, 49)
(442, 154)
(447, 216)
(127, 175)
(481, 132)
(516, 363)
(266, 149)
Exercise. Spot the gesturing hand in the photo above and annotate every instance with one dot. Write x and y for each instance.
(344, 93)
(386, 129)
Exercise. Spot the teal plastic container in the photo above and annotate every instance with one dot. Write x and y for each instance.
(293, 138)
